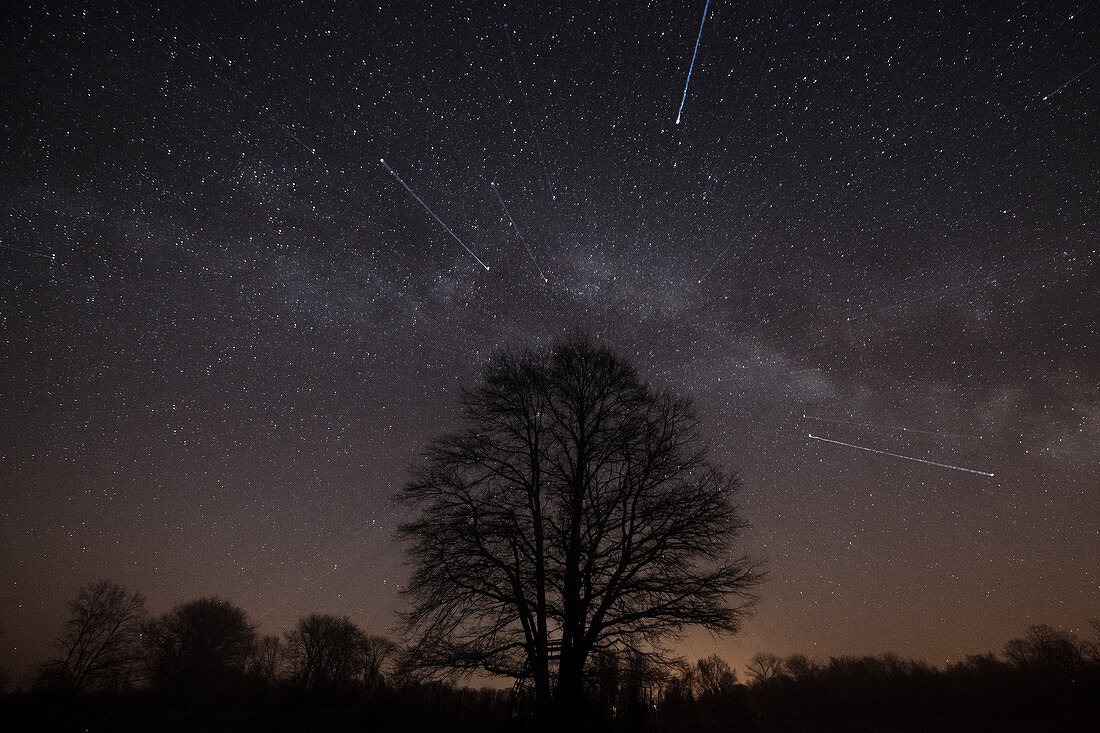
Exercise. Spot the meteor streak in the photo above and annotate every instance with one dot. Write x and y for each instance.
(429, 210)
(740, 233)
(692, 66)
(1071, 81)
(527, 110)
(898, 455)
(493, 185)
(952, 291)
(50, 257)
(208, 58)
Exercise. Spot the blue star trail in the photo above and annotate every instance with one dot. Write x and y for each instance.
(692, 66)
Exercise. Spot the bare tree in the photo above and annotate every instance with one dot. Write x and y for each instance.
(1090, 648)
(99, 644)
(576, 511)
(1046, 649)
(263, 659)
(376, 650)
(799, 667)
(713, 677)
(325, 651)
(764, 666)
(200, 643)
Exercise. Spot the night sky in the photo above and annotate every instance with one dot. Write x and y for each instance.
(226, 330)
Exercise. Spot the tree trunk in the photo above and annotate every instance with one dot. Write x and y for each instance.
(569, 700)
(542, 702)
(542, 652)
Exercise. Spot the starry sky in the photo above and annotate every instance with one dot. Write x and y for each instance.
(226, 330)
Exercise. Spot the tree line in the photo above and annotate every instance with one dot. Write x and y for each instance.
(115, 660)
(110, 643)
(1046, 679)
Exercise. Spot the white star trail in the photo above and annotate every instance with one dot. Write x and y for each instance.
(740, 234)
(693, 55)
(1048, 96)
(519, 234)
(964, 289)
(898, 455)
(429, 210)
(527, 110)
(50, 257)
(208, 59)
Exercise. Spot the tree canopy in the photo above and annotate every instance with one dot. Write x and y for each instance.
(575, 511)
(198, 644)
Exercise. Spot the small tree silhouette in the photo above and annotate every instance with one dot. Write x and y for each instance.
(263, 660)
(1046, 650)
(799, 667)
(713, 677)
(324, 651)
(199, 645)
(764, 666)
(1090, 648)
(99, 645)
(376, 651)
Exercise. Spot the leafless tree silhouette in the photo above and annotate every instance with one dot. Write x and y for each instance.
(376, 650)
(1047, 650)
(1091, 647)
(764, 666)
(199, 644)
(263, 659)
(99, 646)
(799, 667)
(325, 652)
(714, 677)
(577, 511)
